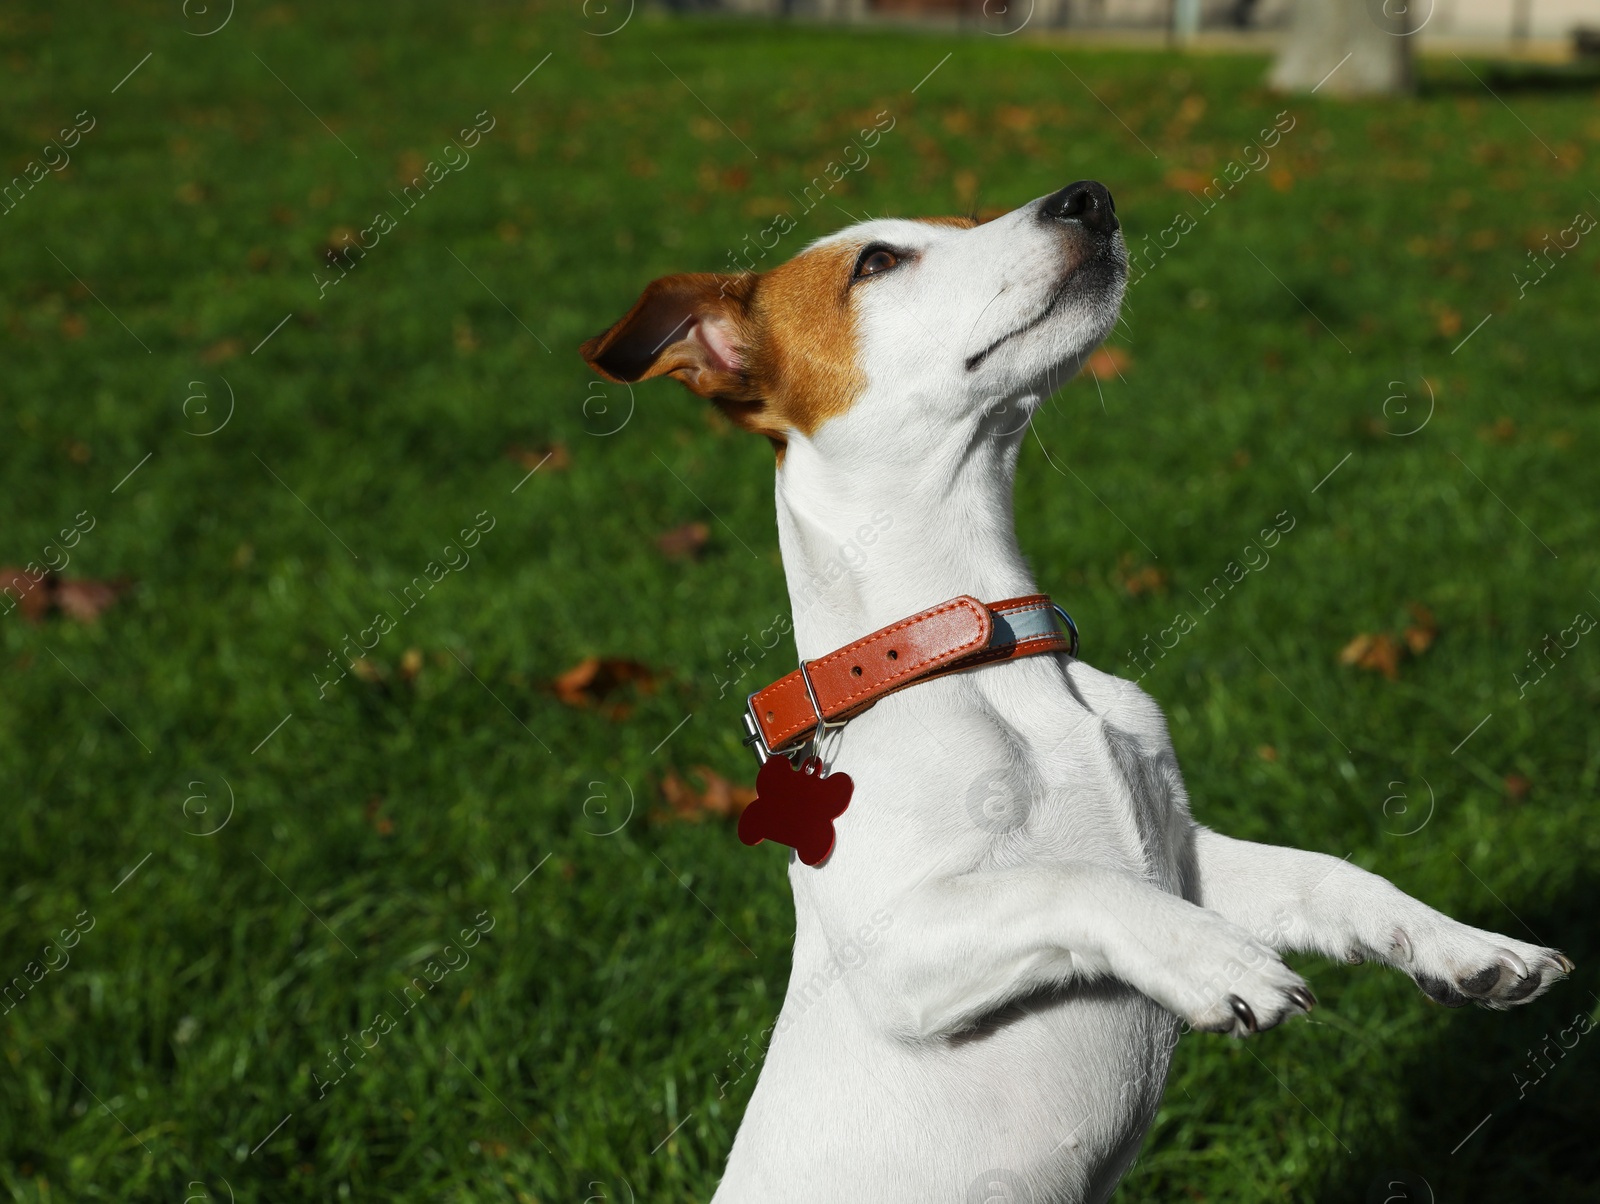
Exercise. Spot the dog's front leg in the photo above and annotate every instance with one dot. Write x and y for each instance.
(1309, 901)
(958, 948)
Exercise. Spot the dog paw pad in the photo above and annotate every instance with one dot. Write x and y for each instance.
(1522, 988)
(1440, 991)
(1510, 978)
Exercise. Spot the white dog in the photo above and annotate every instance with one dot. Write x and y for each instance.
(992, 963)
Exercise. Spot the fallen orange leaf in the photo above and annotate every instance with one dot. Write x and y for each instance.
(85, 600)
(594, 679)
(1107, 362)
(1378, 652)
(1015, 117)
(381, 823)
(685, 542)
(411, 663)
(1504, 430)
(1146, 579)
(368, 670)
(1420, 635)
(1382, 651)
(715, 795)
(75, 597)
(31, 597)
(532, 457)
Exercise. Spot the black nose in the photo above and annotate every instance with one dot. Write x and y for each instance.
(1087, 201)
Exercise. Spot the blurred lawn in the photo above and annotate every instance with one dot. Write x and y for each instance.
(623, 982)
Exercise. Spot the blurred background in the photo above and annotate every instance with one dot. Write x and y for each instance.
(372, 672)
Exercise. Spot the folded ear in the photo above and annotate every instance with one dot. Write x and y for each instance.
(694, 326)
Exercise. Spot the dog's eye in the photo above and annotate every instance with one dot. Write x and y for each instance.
(874, 260)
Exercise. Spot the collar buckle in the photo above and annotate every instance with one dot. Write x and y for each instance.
(754, 740)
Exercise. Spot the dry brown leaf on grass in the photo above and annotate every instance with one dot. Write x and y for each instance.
(1186, 179)
(339, 247)
(382, 824)
(78, 598)
(1145, 579)
(1517, 787)
(85, 600)
(1378, 652)
(714, 795)
(684, 543)
(19, 589)
(1107, 362)
(1015, 117)
(1420, 635)
(533, 457)
(594, 679)
(1383, 651)
(1504, 430)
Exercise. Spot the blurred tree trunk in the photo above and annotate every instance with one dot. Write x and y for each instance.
(1374, 34)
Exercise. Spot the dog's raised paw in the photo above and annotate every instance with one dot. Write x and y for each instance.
(1244, 994)
(1217, 976)
(1494, 974)
(1238, 1017)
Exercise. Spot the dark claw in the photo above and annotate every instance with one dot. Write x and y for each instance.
(1482, 982)
(1303, 998)
(1567, 964)
(1242, 1010)
(1440, 991)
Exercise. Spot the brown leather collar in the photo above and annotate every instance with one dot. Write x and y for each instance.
(962, 633)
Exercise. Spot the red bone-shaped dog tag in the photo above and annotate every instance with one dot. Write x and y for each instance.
(796, 807)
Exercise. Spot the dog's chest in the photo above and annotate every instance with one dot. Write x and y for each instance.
(1024, 768)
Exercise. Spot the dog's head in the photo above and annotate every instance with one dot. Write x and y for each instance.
(937, 320)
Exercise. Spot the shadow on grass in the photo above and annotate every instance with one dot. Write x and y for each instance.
(1513, 78)
(1541, 1138)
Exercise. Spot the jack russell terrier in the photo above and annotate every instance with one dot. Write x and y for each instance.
(1004, 910)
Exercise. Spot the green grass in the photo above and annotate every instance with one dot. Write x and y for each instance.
(623, 981)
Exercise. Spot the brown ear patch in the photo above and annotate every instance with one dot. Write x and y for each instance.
(776, 351)
(806, 354)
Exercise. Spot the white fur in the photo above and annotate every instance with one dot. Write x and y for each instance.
(991, 968)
